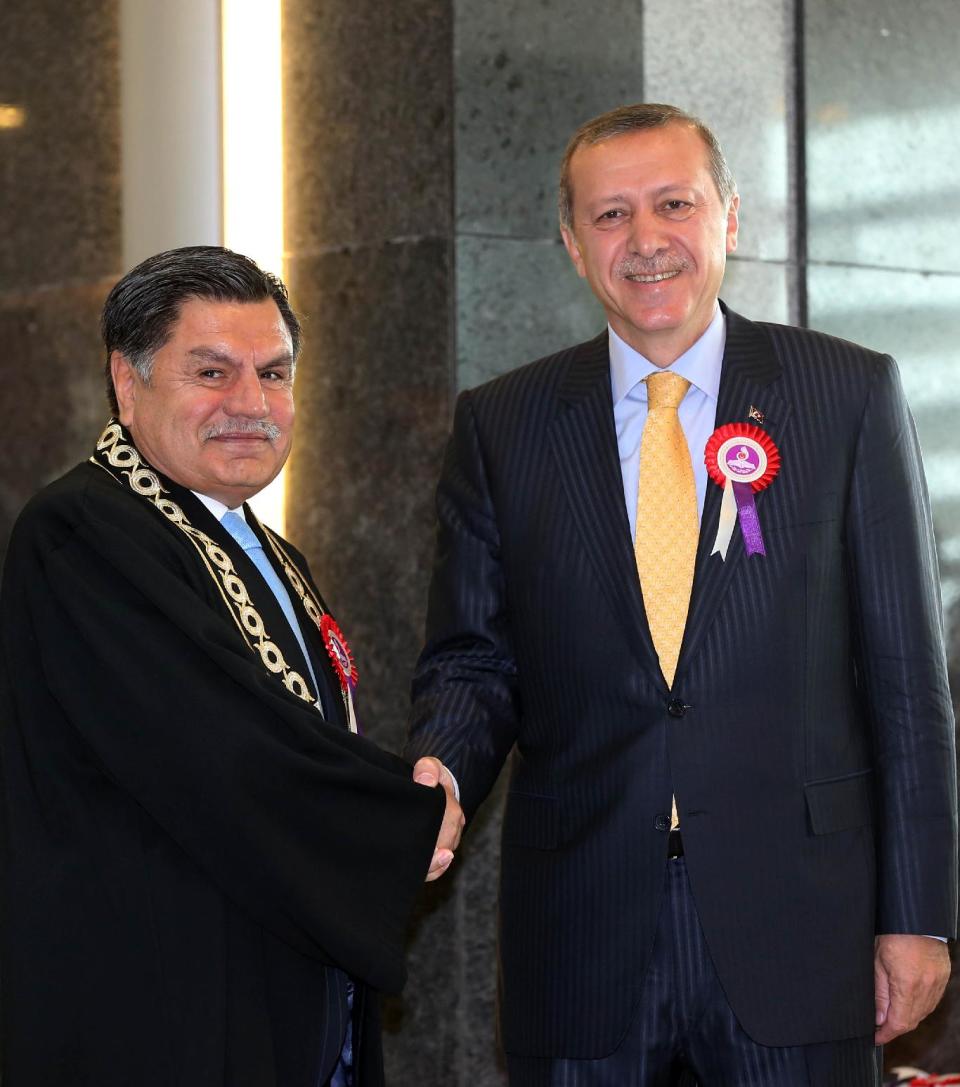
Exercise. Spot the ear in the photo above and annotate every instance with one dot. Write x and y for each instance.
(126, 381)
(570, 241)
(733, 222)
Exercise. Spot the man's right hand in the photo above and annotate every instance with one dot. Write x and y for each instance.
(431, 772)
(910, 975)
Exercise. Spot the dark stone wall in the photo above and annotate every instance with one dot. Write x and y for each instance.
(60, 223)
(368, 98)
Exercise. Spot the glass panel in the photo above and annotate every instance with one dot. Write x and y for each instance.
(883, 111)
(883, 174)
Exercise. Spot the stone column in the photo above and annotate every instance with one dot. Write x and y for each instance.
(61, 227)
(368, 192)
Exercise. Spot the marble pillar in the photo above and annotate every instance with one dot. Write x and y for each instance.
(369, 199)
(60, 225)
(525, 76)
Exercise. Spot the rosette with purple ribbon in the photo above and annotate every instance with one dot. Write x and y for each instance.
(742, 459)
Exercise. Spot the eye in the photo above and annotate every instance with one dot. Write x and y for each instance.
(211, 372)
(611, 218)
(277, 376)
(677, 208)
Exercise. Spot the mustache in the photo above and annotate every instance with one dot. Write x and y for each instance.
(634, 265)
(257, 427)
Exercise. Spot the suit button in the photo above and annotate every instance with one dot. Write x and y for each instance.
(662, 822)
(676, 707)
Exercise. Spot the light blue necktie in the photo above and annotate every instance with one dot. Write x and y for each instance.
(247, 539)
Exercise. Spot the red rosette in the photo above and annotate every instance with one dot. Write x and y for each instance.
(753, 434)
(339, 652)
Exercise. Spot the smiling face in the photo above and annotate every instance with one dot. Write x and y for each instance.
(216, 415)
(651, 234)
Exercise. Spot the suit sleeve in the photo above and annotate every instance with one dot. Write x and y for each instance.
(465, 697)
(315, 833)
(903, 669)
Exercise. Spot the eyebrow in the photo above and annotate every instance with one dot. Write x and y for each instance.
(211, 354)
(672, 186)
(611, 198)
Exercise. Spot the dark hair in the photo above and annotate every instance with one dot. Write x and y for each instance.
(624, 119)
(141, 310)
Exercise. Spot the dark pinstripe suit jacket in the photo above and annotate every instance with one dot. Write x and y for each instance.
(813, 754)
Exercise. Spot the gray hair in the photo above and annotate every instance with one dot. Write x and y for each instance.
(625, 119)
(141, 310)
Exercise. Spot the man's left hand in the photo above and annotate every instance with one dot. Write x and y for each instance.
(910, 974)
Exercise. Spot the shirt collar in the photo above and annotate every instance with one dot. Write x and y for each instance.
(217, 508)
(700, 364)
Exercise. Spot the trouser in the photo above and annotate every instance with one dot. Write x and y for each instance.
(685, 1033)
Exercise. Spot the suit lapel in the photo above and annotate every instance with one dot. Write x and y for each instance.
(584, 444)
(750, 371)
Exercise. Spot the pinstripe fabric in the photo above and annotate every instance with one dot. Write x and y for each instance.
(813, 764)
(685, 1035)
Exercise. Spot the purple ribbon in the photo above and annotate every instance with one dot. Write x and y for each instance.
(749, 521)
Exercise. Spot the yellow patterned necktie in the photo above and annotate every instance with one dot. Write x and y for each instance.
(667, 520)
(667, 523)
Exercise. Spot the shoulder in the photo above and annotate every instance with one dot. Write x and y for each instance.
(88, 507)
(543, 376)
(812, 362)
(85, 494)
(808, 347)
(807, 344)
(513, 411)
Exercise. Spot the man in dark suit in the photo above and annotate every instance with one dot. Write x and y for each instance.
(729, 846)
(207, 873)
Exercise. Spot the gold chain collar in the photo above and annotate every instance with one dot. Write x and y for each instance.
(124, 463)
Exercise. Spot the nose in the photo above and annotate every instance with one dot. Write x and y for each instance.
(648, 236)
(247, 395)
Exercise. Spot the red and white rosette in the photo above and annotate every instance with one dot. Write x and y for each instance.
(742, 459)
(338, 649)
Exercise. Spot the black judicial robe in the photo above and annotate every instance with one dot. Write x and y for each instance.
(192, 855)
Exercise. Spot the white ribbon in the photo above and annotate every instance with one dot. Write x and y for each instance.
(728, 518)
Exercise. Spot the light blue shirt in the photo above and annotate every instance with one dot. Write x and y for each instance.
(276, 586)
(700, 365)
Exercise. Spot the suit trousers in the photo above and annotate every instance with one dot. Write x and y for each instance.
(684, 1032)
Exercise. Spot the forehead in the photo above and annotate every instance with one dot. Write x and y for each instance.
(255, 326)
(652, 157)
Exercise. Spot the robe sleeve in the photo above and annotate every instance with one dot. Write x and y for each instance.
(315, 833)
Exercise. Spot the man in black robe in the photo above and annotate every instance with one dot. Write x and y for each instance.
(207, 874)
